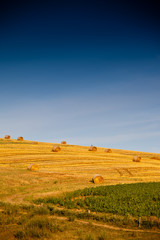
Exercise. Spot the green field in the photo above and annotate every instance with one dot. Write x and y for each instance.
(139, 199)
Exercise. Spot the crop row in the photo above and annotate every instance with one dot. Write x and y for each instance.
(140, 199)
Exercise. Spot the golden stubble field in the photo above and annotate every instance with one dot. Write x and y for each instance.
(70, 169)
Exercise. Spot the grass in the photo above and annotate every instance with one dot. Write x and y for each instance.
(38, 227)
(28, 223)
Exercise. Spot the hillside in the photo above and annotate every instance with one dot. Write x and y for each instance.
(70, 169)
(59, 200)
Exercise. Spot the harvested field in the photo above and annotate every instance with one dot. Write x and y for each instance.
(68, 170)
(60, 172)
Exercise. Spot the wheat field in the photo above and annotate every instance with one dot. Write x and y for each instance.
(70, 169)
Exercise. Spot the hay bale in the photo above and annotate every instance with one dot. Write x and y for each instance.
(33, 167)
(63, 142)
(136, 159)
(56, 149)
(97, 179)
(92, 148)
(20, 138)
(108, 150)
(7, 137)
(35, 142)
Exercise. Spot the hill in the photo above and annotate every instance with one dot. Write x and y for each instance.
(36, 204)
(70, 169)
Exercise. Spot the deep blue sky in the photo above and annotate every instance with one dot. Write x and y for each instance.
(83, 71)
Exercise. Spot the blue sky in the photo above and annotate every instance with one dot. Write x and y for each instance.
(86, 72)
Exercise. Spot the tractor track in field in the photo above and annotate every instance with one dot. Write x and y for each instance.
(124, 171)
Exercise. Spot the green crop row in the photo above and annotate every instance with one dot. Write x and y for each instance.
(140, 199)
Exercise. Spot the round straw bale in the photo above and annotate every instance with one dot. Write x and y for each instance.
(136, 159)
(108, 150)
(33, 167)
(7, 137)
(97, 179)
(56, 149)
(35, 142)
(92, 148)
(20, 138)
(63, 142)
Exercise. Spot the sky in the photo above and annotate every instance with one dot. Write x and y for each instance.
(87, 72)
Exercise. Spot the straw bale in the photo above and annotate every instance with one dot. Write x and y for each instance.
(7, 137)
(33, 167)
(63, 142)
(20, 138)
(56, 149)
(136, 159)
(97, 179)
(108, 150)
(92, 148)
